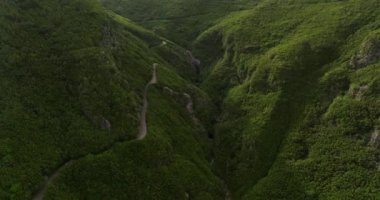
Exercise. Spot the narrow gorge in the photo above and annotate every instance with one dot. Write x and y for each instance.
(189, 99)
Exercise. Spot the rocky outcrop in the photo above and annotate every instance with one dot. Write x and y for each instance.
(375, 138)
(98, 121)
(358, 62)
(369, 54)
(358, 92)
(105, 124)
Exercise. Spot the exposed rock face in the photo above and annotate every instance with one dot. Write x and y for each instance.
(375, 139)
(369, 54)
(358, 92)
(360, 62)
(98, 121)
(105, 124)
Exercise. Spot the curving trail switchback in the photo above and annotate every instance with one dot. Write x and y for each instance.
(142, 133)
(143, 130)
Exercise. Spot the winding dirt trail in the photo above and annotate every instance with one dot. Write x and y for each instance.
(143, 130)
(189, 102)
(142, 133)
(41, 193)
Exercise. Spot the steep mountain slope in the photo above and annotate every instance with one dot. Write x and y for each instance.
(301, 99)
(288, 105)
(181, 21)
(72, 81)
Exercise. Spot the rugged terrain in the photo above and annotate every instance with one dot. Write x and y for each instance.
(286, 103)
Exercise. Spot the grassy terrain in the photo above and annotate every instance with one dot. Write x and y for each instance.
(289, 92)
(67, 66)
(292, 125)
(181, 21)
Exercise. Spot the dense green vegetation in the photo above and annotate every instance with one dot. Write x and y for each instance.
(66, 67)
(180, 21)
(297, 114)
(288, 99)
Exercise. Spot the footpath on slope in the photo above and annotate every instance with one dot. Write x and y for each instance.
(141, 135)
(41, 193)
(143, 130)
(189, 103)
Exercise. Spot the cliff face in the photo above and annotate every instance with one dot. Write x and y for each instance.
(301, 99)
(285, 104)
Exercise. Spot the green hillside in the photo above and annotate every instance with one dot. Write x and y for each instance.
(179, 20)
(298, 115)
(286, 107)
(68, 67)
